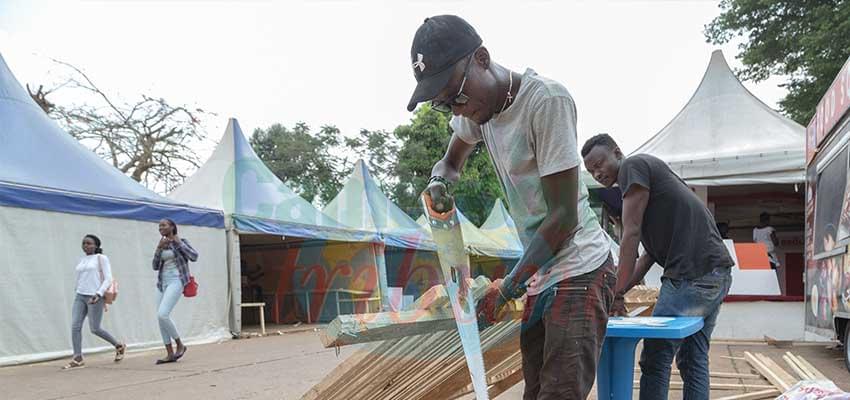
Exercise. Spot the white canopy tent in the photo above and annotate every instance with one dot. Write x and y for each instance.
(724, 135)
(53, 191)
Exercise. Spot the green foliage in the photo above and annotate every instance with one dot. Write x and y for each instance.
(400, 161)
(425, 141)
(302, 159)
(805, 40)
(380, 150)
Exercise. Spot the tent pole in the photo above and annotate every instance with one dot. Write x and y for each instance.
(235, 281)
(381, 264)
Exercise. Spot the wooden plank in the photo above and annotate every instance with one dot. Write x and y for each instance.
(808, 374)
(717, 386)
(499, 358)
(761, 394)
(810, 368)
(497, 344)
(767, 372)
(505, 384)
(796, 368)
(781, 373)
(364, 328)
(720, 374)
(429, 364)
(339, 372)
(778, 343)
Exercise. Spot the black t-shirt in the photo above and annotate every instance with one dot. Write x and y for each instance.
(677, 230)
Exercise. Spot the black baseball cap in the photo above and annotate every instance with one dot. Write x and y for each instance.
(439, 44)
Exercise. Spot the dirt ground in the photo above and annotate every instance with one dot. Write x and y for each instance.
(284, 367)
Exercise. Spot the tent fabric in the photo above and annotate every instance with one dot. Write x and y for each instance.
(724, 135)
(362, 205)
(53, 191)
(500, 227)
(235, 180)
(39, 251)
(43, 167)
(80, 203)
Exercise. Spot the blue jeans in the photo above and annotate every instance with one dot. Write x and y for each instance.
(79, 311)
(700, 297)
(172, 289)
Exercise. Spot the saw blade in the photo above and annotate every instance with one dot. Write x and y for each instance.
(454, 264)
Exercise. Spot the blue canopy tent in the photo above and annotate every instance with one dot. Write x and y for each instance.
(409, 255)
(303, 255)
(53, 191)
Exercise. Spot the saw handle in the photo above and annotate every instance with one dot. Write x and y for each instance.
(429, 202)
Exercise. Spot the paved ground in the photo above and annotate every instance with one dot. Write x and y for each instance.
(276, 367)
(822, 356)
(273, 367)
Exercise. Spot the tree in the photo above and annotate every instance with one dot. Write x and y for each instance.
(805, 40)
(380, 150)
(302, 159)
(148, 139)
(424, 142)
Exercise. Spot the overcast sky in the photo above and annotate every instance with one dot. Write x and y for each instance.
(630, 65)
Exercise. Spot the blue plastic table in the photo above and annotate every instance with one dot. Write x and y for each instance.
(615, 373)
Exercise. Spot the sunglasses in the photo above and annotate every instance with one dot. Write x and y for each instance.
(459, 99)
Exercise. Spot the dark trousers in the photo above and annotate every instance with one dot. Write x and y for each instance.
(563, 330)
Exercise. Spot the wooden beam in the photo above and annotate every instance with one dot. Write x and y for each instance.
(720, 374)
(784, 375)
(810, 368)
(718, 386)
(364, 328)
(772, 376)
(796, 368)
(413, 360)
(505, 384)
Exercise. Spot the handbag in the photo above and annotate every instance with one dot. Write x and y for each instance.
(111, 293)
(191, 288)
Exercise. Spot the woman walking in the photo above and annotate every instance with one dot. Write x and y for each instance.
(94, 275)
(171, 261)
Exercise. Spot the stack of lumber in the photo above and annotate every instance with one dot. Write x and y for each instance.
(417, 354)
(640, 300)
(780, 379)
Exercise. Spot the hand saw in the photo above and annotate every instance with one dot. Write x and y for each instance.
(454, 264)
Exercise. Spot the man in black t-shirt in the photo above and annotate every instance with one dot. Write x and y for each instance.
(678, 232)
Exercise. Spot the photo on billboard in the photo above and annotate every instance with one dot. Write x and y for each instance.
(823, 292)
(844, 294)
(844, 222)
(828, 204)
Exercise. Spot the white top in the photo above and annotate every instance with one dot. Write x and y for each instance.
(89, 281)
(533, 138)
(762, 235)
(168, 260)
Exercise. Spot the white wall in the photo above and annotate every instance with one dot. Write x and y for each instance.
(754, 320)
(38, 253)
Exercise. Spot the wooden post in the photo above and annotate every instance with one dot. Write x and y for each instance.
(381, 265)
(263, 318)
(336, 292)
(307, 305)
